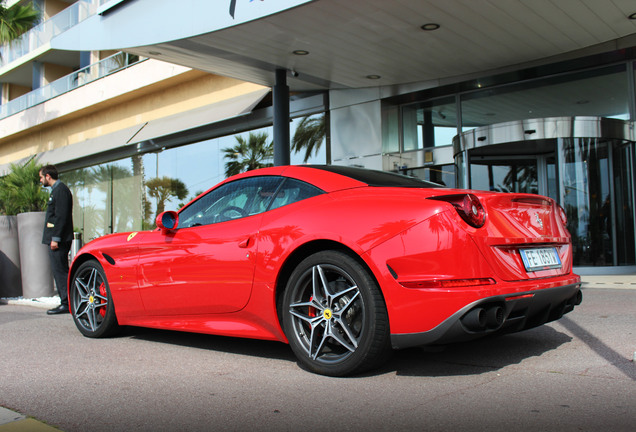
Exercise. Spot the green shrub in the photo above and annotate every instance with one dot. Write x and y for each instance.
(20, 190)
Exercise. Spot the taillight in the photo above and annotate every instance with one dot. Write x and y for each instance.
(468, 207)
(562, 215)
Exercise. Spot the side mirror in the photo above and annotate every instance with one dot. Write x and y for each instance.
(168, 220)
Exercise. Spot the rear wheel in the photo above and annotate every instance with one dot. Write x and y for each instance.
(334, 315)
(91, 302)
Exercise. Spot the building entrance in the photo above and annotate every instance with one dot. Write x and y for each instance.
(585, 164)
(528, 174)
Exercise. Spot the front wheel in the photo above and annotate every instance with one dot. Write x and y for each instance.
(334, 315)
(91, 302)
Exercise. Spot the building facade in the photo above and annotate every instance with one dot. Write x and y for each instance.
(487, 95)
(113, 122)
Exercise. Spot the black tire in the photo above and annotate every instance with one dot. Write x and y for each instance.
(91, 302)
(334, 316)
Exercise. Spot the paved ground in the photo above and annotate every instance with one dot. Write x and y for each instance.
(577, 374)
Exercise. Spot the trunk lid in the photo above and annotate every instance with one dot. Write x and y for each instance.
(523, 237)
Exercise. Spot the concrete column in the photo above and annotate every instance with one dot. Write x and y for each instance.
(37, 75)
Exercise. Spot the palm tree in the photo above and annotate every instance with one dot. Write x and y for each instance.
(309, 135)
(16, 20)
(164, 188)
(248, 155)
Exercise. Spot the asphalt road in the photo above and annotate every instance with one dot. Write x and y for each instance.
(576, 374)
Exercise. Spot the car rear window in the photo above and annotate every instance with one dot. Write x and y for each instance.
(377, 178)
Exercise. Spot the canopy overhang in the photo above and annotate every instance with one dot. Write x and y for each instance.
(340, 44)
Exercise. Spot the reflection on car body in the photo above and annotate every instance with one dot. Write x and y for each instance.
(344, 264)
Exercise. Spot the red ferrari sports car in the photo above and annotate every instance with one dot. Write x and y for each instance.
(344, 264)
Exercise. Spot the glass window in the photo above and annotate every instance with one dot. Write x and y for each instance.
(234, 200)
(587, 200)
(429, 124)
(126, 195)
(601, 92)
(633, 104)
(510, 175)
(460, 170)
(106, 198)
(624, 204)
(200, 166)
(390, 128)
(197, 167)
(552, 189)
(443, 175)
(292, 191)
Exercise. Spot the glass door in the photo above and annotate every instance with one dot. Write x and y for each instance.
(598, 199)
(591, 176)
(505, 174)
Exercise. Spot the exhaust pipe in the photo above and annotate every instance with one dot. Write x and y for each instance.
(475, 319)
(495, 317)
(480, 319)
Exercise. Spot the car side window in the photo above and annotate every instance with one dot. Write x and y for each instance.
(292, 191)
(234, 200)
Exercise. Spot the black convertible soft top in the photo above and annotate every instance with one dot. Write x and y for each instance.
(377, 178)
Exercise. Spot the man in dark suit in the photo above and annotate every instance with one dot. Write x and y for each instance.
(58, 232)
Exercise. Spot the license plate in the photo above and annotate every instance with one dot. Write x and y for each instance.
(540, 259)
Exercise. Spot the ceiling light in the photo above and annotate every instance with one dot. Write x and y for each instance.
(373, 77)
(430, 26)
(300, 52)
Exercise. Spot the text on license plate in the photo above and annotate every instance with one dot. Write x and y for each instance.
(540, 259)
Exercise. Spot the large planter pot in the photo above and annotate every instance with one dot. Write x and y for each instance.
(35, 264)
(10, 277)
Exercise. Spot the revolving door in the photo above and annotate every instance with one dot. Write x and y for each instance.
(585, 163)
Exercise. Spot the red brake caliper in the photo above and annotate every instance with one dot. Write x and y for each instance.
(102, 292)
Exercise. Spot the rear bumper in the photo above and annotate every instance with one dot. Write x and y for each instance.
(497, 315)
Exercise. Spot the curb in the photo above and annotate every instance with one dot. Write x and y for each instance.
(42, 303)
(11, 421)
(609, 281)
(623, 286)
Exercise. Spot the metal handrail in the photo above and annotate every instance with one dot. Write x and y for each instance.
(42, 33)
(101, 69)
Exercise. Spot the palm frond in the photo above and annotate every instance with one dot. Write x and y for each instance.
(20, 190)
(309, 135)
(16, 20)
(249, 154)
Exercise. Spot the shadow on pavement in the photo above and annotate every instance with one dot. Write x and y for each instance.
(478, 356)
(469, 358)
(614, 358)
(232, 345)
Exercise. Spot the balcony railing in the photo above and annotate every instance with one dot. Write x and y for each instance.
(44, 32)
(105, 67)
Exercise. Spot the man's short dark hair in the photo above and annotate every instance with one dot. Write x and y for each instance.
(50, 170)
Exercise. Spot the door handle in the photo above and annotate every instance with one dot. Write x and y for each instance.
(245, 243)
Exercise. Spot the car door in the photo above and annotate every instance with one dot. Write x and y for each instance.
(206, 265)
